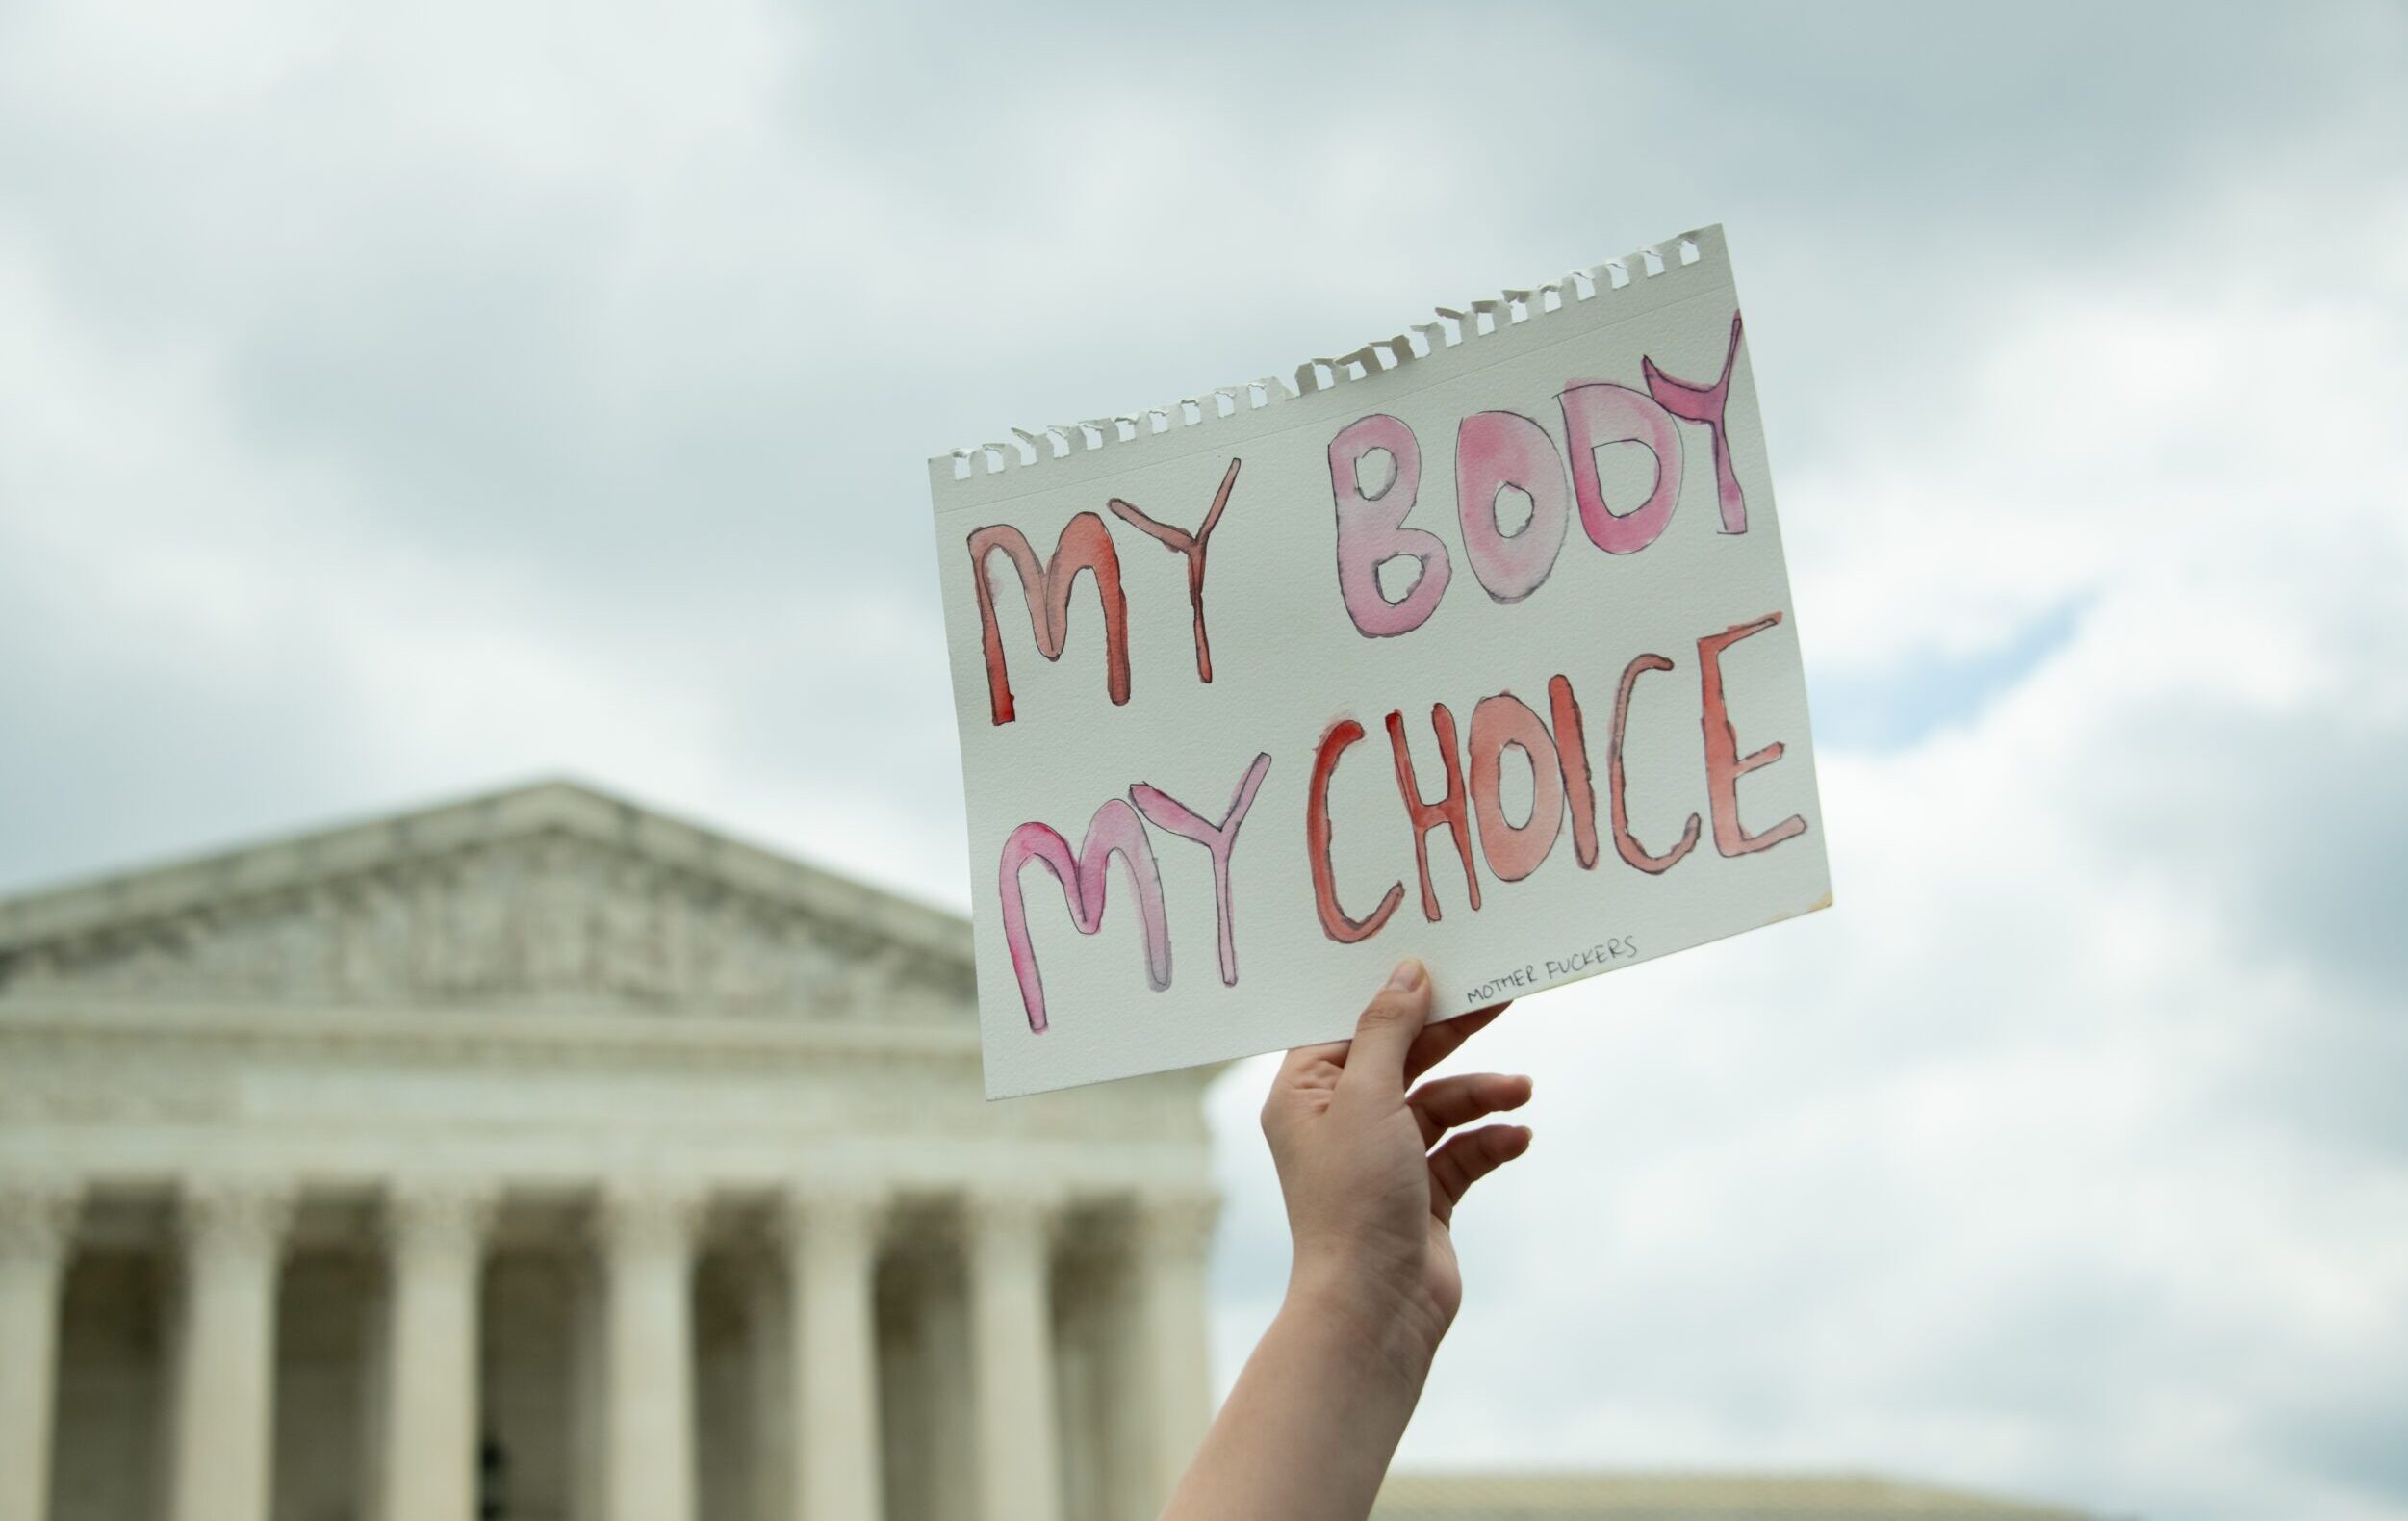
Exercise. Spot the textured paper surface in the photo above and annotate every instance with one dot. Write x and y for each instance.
(1320, 605)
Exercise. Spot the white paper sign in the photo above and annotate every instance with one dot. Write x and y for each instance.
(1475, 645)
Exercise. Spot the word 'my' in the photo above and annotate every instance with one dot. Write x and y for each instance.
(1085, 546)
(1118, 829)
(1496, 451)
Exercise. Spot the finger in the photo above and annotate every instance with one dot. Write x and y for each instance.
(1395, 1016)
(1439, 1042)
(1441, 1106)
(1466, 1159)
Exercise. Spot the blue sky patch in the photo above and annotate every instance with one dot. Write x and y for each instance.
(1905, 704)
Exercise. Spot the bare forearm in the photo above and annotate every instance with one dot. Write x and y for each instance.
(1307, 1432)
(1371, 1177)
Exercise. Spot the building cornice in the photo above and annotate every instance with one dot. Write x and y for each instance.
(307, 860)
(475, 1032)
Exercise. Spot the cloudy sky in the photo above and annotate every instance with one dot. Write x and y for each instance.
(399, 400)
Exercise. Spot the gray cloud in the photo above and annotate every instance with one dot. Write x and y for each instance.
(401, 400)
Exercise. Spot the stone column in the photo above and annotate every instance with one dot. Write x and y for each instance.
(770, 1375)
(589, 1360)
(1173, 1242)
(36, 1231)
(648, 1355)
(831, 1237)
(219, 1462)
(376, 1394)
(436, 1236)
(1012, 1344)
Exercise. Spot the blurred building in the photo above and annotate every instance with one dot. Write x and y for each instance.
(541, 1157)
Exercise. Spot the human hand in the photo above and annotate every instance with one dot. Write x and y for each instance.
(1370, 1189)
(1371, 1181)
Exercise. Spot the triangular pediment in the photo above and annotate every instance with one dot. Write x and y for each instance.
(547, 895)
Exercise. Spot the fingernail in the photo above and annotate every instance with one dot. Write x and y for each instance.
(1407, 977)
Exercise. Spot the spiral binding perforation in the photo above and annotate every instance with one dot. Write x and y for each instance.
(1452, 328)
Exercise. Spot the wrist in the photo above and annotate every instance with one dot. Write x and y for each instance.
(1382, 1326)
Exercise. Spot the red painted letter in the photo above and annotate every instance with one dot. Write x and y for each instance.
(1193, 548)
(1501, 723)
(1724, 765)
(1573, 743)
(1085, 545)
(1449, 809)
(1625, 843)
(1334, 920)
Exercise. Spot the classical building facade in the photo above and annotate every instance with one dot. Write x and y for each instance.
(538, 1156)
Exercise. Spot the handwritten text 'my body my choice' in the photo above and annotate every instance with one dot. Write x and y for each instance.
(1375, 479)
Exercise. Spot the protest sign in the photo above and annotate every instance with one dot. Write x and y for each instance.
(1475, 644)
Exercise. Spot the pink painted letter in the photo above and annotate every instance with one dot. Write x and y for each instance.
(1372, 530)
(1168, 813)
(1494, 451)
(1596, 414)
(1115, 828)
(1705, 404)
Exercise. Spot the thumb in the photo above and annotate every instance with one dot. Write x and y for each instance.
(1384, 1035)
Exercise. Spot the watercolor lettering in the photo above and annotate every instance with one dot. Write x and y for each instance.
(1192, 548)
(1498, 723)
(1572, 745)
(1450, 810)
(1497, 451)
(1336, 922)
(1165, 812)
(1372, 530)
(1626, 845)
(1561, 788)
(1494, 450)
(1705, 403)
(1724, 765)
(1597, 414)
(1085, 545)
(1504, 461)
(1115, 830)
